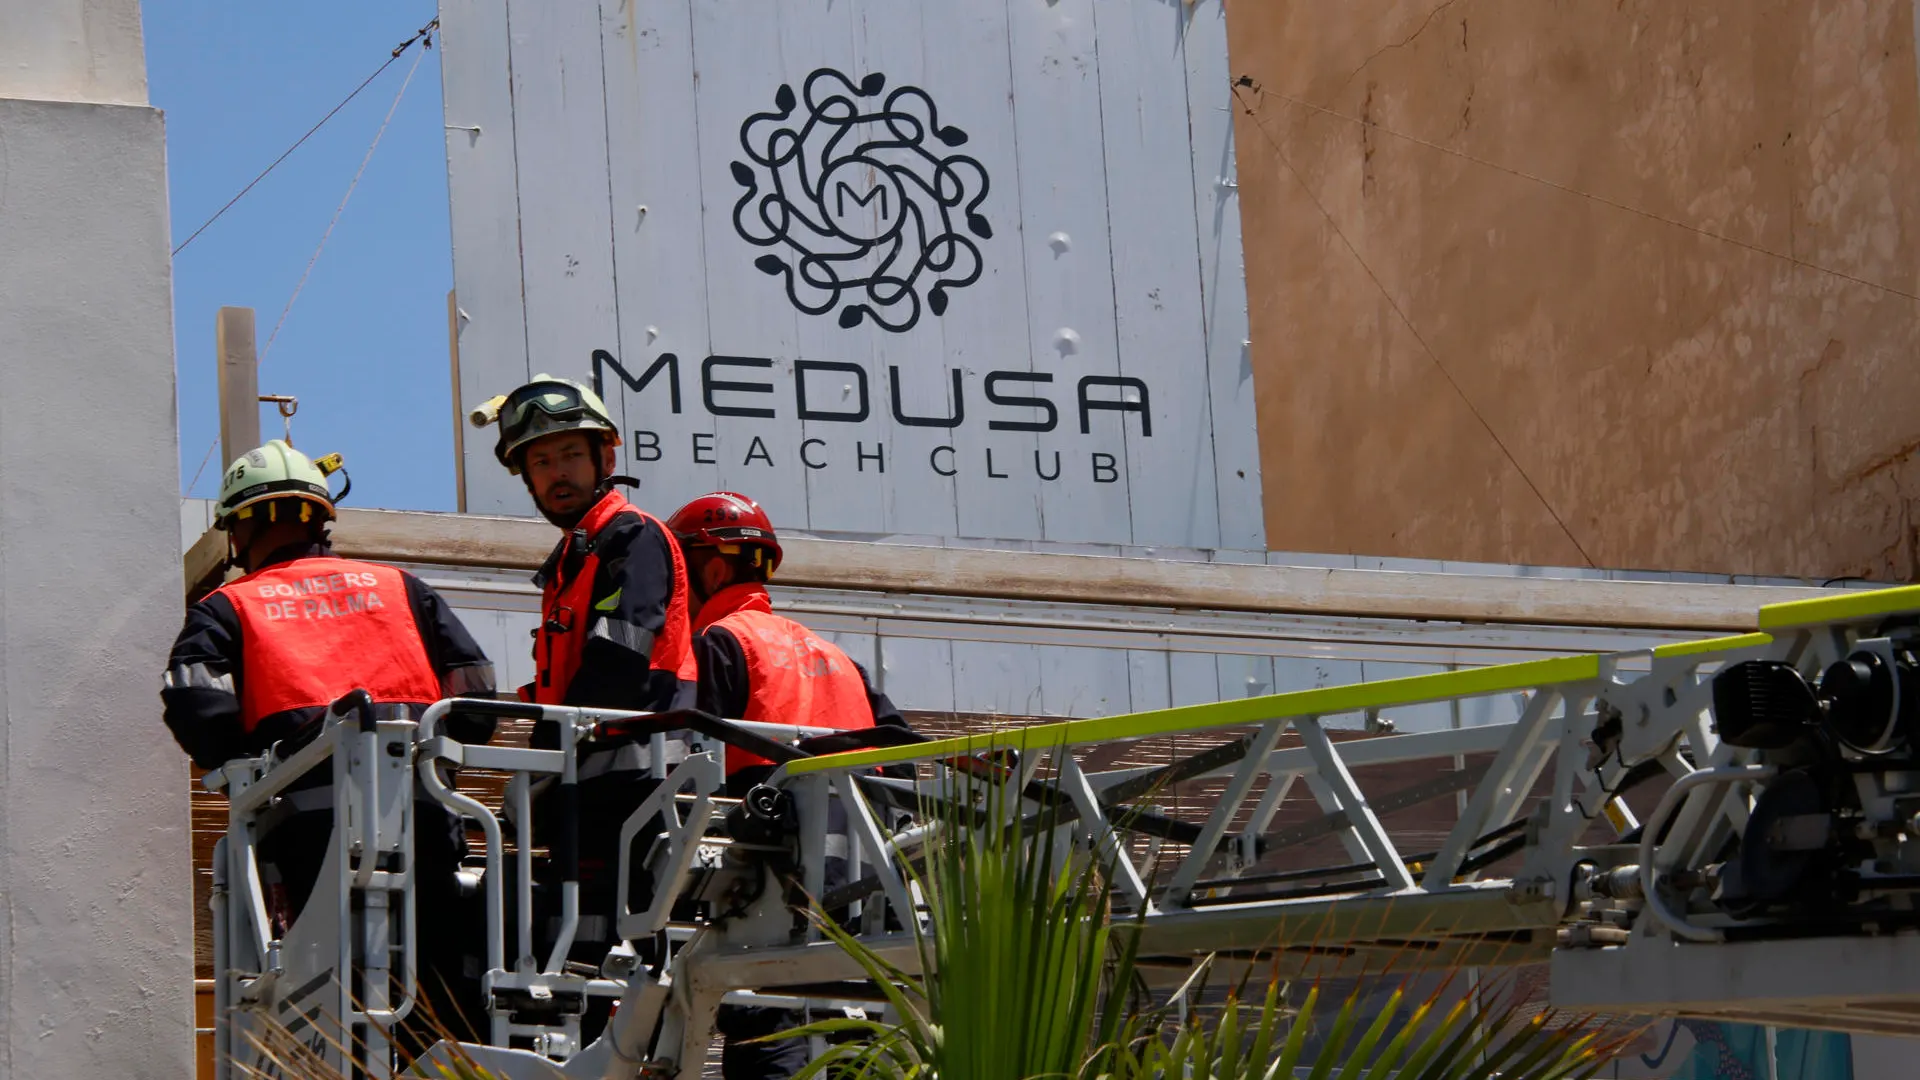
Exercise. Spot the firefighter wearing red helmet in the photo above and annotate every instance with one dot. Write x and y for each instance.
(756, 665)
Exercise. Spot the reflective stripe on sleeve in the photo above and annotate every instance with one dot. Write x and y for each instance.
(467, 680)
(195, 677)
(624, 634)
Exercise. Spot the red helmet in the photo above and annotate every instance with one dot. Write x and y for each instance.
(723, 520)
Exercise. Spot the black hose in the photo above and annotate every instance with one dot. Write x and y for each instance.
(641, 727)
(512, 710)
(359, 702)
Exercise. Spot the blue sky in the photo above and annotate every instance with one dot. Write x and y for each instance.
(365, 346)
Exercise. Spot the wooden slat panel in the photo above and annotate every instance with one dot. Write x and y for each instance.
(1156, 289)
(1149, 679)
(917, 673)
(1069, 266)
(1216, 206)
(996, 678)
(751, 314)
(1250, 676)
(985, 328)
(1193, 678)
(882, 38)
(566, 251)
(659, 255)
(484, 188)
(1083, 682)
(862, 649)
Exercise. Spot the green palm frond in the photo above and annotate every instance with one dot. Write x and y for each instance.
(1026, 975)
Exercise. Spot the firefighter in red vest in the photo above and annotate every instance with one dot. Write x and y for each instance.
(261, 658)
(614, 630)
(755, 665)
(614, 625)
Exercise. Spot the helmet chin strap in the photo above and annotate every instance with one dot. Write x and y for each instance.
(601, 487)
(236, 549)
(612, 481)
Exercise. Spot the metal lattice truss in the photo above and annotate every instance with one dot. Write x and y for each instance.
(1544, 859)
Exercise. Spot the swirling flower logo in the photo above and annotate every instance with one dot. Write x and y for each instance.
(865, 207)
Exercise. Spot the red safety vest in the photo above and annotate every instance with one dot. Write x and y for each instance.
(567, 609)
(315, 628)
(794, 676)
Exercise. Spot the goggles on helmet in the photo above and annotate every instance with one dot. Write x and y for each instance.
(546, 406)
(554, 400)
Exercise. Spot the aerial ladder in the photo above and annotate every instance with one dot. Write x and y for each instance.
(1773, 880)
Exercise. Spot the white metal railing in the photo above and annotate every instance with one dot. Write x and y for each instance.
(1533, 794)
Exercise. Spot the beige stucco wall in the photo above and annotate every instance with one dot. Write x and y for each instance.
(1679, 401)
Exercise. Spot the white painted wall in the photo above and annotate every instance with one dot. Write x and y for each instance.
(96, 949)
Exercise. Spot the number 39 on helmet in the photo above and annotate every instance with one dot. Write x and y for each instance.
(728, 522)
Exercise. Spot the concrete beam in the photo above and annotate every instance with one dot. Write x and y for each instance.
(523, 543)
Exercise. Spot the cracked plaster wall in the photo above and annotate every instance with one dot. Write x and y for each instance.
(1678, 401)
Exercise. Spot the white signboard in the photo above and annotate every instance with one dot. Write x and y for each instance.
(955, 268)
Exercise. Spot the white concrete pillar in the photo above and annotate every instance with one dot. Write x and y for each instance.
(96, 943)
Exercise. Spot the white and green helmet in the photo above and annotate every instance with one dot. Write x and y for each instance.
(545, 406)
(270, 474)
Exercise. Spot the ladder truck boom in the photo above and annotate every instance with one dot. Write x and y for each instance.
(1786, 840)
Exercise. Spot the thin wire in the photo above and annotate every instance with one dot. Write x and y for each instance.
(203, 464)
(341, 209)
(1411, 329)
(364, 83)
(1601, 199)
(419, 35)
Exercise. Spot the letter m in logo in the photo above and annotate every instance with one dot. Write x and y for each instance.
(841, 190)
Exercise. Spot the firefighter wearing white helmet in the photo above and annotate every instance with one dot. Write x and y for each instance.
(614, 630)
(616, 585)
(275, 485)
(545, 406)
(261, 658)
